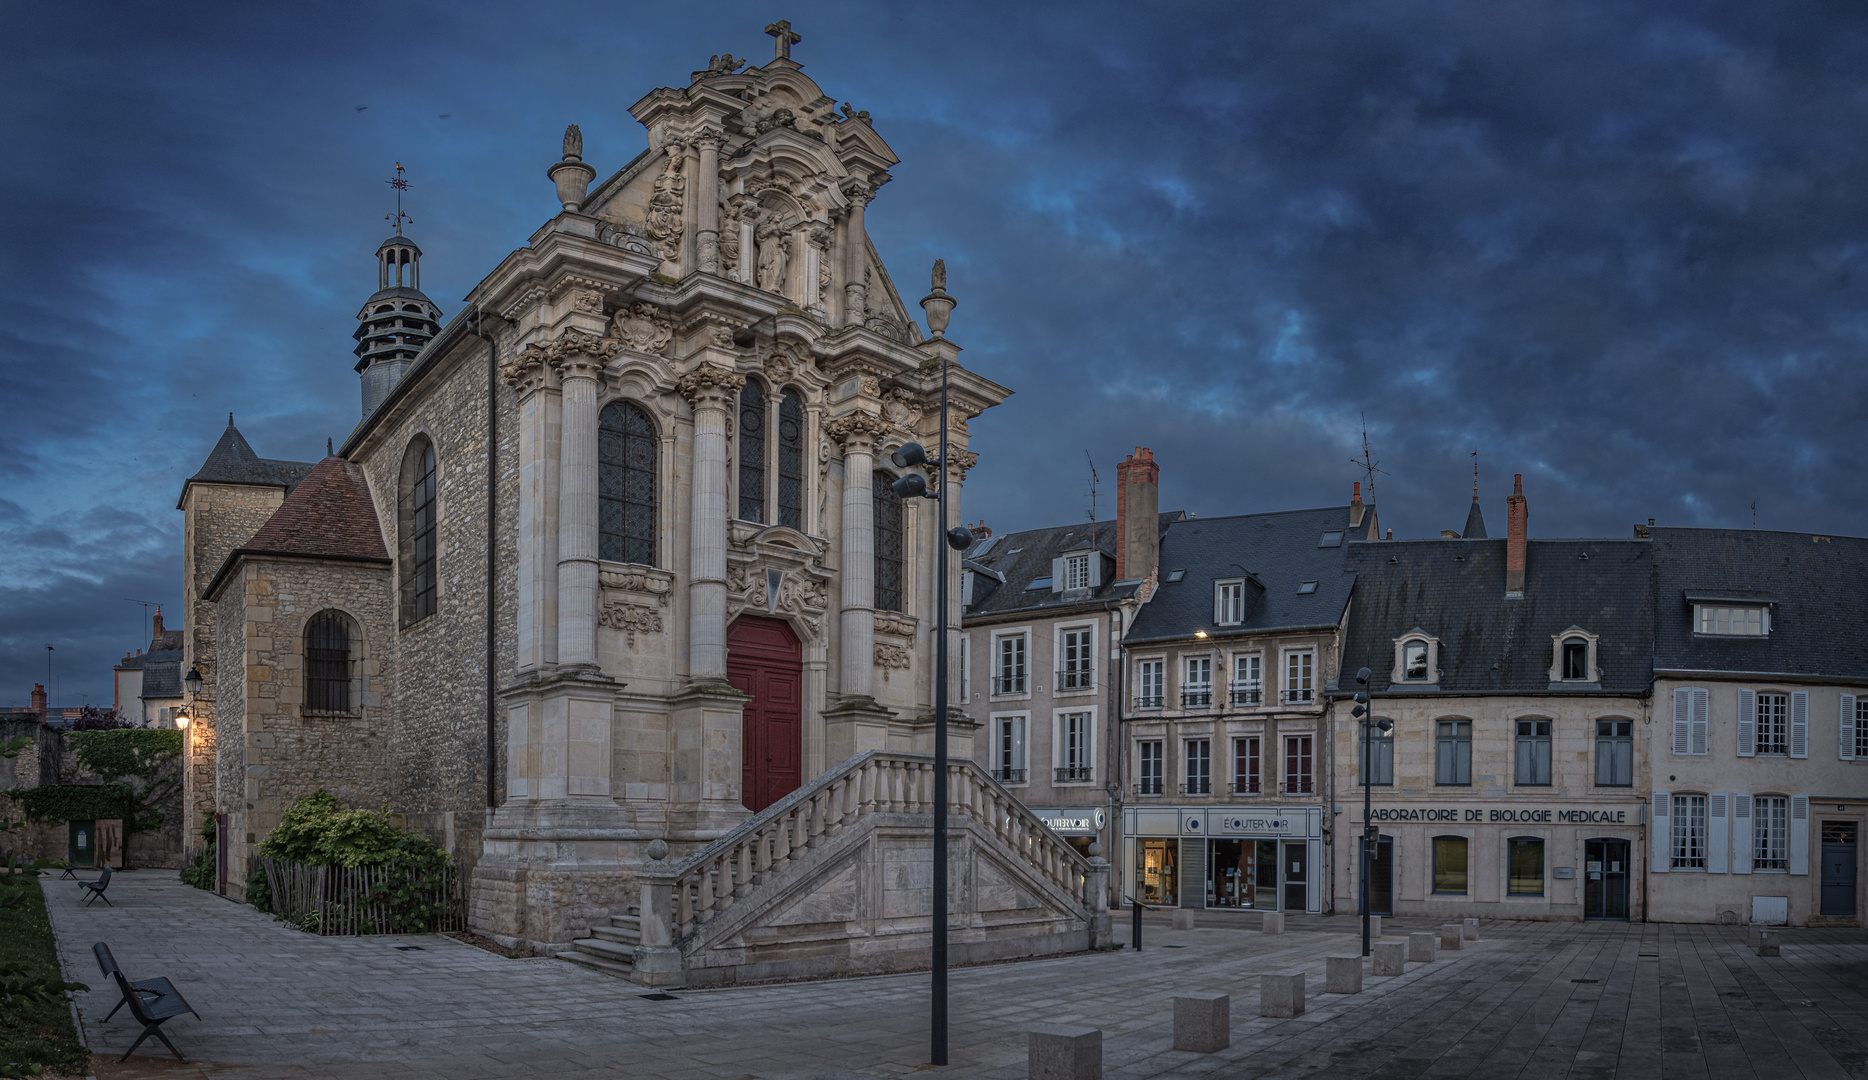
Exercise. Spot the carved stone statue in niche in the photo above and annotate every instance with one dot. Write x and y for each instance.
(666, 203)
(815, 290)
(774, 255)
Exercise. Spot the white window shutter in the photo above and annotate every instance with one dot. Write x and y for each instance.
(1701, 739)
(1747, 723)
(1682, 725)
(1847, 749)
(1057, 574)
(1800, 834)
(1800, 724)
(1660, 835)
(1741, 833)
(1718, 832)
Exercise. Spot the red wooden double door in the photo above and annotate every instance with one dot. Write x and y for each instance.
(765, 661)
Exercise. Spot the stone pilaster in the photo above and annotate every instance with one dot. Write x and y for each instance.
(856, 254)
(710, 388)
(579, 365)
(707, 214)
(858, 432)
(540, 417)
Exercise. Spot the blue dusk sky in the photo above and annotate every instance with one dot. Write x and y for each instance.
(1619, 248)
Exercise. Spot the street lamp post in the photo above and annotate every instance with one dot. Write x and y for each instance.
(1361, 713)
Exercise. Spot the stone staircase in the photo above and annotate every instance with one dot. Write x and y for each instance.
(610, 949)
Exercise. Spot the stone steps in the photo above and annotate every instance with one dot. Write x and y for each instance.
(610, 949)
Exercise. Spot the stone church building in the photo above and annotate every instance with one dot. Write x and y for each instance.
(612, 562)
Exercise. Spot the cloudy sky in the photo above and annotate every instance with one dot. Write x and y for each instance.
(1620, 248)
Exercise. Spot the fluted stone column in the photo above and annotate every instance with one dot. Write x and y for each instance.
(856, 256)
(711, 389)
(707, 215)
(578, 372)
(858, 433)
(539, 417)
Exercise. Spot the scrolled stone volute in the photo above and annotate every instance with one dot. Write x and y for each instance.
(709, 381)
(859, 430)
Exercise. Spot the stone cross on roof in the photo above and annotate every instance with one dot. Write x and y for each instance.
(782, 39)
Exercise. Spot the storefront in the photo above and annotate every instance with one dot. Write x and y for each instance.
(1081, 826)
(1256, 859)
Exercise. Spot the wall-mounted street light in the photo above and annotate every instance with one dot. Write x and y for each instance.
(192, 681)
(1369, 832)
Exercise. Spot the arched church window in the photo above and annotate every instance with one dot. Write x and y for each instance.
(888, 544)
(626, 451)
(327, 663)
(791, 461)
(752, 452)
(416, 533)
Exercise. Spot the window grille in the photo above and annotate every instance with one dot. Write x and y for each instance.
(627, 449)
(791, 461)
(419, 572)
(327, 663)
(752, 452)
(888, 508)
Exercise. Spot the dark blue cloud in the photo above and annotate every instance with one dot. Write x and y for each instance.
(1618, 248)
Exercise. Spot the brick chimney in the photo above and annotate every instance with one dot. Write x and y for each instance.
(157, 625)
(38, 700)
(1138, 515)
(1517, 520)
(1356, 509)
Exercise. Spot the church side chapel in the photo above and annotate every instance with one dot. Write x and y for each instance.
(610, 591)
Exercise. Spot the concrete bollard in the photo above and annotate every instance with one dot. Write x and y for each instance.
(1390, 957)
(1343, 975)
(1420, 947)
(1754, 935)
(1469, 930)
(1064, 1053)
(1203, 1023)
(1451, 936)
(1375, 927)
(1273, 922)
(1183, 919)
(1768, 944)
(1281, 996)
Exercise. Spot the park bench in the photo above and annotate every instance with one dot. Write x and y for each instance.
(95, 889)
(157, 988)
(151, 1014)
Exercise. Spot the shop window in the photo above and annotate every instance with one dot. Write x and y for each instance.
(1158, 859)
(1245, 766)
(1242, 874)
(1526, 860)
(1449, 864)
(1533, 753)
(1452, 761)
(1615, 753)
(1148, 781)
(1377, 752)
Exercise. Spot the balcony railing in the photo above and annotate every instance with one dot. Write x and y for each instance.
(1008, 684)
(1009, 776)
(1299, 697)
(1247, 694)
(1245, 787)
(1149, 788)
(1148, 701)
(1197, 787)
(1196, 698)
(1301, 786)
(1074, 774)
(1079, 679)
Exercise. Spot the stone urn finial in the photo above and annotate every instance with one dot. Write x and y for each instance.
(937, 304)
(572, 176)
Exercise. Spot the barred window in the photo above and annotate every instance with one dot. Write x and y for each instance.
(752, 452)
(888, 544)
(327, 663)
(791, 461)
(417, 532)
(626, 454)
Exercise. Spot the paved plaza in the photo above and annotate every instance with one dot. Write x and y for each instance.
(1530, 1000)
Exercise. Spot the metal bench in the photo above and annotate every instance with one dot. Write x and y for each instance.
(151, 1014)
(152, 988)
(94, 890)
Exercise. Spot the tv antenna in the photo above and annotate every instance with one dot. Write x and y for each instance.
(1094, 480)
(1367, 461)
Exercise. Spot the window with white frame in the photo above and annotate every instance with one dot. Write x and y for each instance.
(1298, 675)
(1073, 744)
(1614, 753)
(1689, 832)
(1148, 775)
(1008, 749)
(1245, 766)
(1752, 620)
(1861, 727)
(1229, 603)
(1076, 571)
(1298, 778)
(1009, 665)
(1199, 774)
(1770, 833)
(1247, 679)
(1076, 663)
(1533, 753)
(1414, 661)
(1148, 676)
(1196, 685)
(1773, 724)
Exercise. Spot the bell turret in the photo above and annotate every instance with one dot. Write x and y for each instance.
(398, 320)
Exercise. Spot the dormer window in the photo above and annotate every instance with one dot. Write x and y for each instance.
(1733, 620)
(1229, 602)
(1076, 572)
(1414, 661)
(1417, 658)
(1575, 659)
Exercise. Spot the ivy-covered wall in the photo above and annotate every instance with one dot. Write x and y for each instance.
(132, 774)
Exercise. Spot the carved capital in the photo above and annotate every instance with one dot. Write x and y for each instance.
(709, 382)
(527, 372)
(960, 462)
(578, 355)
(857, 431)
(708, 138)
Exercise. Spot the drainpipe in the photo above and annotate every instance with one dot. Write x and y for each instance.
(1118, 756)
(492, 558)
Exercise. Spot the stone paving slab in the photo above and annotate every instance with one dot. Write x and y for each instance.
(1528, 1000)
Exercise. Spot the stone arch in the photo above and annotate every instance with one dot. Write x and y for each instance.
(628, 483)
(332, 653)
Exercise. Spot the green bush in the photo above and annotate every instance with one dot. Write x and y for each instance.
(319, 832)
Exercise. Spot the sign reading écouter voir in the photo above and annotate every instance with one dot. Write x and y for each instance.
(1479, 815)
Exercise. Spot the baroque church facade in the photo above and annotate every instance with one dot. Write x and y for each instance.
(612, 561)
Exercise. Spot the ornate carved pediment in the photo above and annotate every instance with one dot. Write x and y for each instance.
(903, 409)
(779, 571)
(643, 327)
(787, 362)
(629, 237)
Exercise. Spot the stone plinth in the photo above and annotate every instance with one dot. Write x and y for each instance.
(1183, 919)
(1273, 922)
(1768, 945)
(1281, 996)
(1203, 1023)
(1754, 935)
(1064, 1053)
(1390, 957)
(1420, 947)
(1469, 930)
(1343, 975)
(1452, 936)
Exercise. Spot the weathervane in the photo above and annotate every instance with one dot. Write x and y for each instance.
(401, 185)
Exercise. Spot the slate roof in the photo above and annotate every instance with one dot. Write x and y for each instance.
(329, 515)
(1455, 591)
(1023, 557)
(232, 461)
(162, 673)
(1475, 523)
(1818, 591)
(1280, 550)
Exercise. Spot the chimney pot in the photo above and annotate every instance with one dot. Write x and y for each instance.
(157, 623)
(1138, 514)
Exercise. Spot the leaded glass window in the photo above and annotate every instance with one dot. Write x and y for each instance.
(626, 452)
(327, 663)
(791, 461)
(752, 452)
(888, 545)
(418, 532)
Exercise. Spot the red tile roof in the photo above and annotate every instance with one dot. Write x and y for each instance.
(329, 515)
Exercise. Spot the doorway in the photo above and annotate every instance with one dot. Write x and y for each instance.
(1839, 868)
(82, 848)
(1605, 879)
(765, 661)
(1382, 877)
(1157, 877)
(1296, 875)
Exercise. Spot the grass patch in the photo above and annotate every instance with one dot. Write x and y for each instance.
(35, 1032)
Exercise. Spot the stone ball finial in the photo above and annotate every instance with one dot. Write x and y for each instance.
(658, 849)
(1096, 849)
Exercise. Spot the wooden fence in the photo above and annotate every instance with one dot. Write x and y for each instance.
(350, 900)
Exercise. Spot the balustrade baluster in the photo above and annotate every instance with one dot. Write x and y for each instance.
(743, 879)
(833, 808)
(704, 887)
(868, 774)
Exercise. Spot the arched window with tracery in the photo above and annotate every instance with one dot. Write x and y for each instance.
(327, 663)
(752, 452)
(627, 447)
(791, 461)
(416, 541)
(888, 510)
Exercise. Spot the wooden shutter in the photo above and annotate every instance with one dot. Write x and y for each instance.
(1019, 762)
(1800, 834)
(1701, 721)
(1741, 833)
(1747, 723)
(1718, 832)
(1682, 725)
(1800, 724)
(1847, 749)
(1660, 834)
(1057, 574)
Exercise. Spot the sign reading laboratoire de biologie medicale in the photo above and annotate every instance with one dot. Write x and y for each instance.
(1503, 815)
